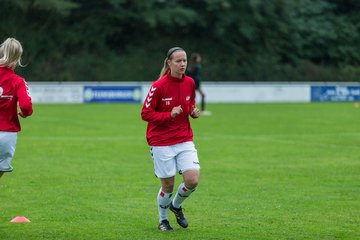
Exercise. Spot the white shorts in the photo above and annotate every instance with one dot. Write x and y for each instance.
(170, 159)
(7, 150)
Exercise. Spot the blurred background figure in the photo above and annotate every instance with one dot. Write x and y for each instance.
(195, 73)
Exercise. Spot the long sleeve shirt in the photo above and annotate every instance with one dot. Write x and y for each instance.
(13, 93)
(164, 94)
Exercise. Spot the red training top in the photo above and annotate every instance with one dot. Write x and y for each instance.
(13, 90)
(164, 94)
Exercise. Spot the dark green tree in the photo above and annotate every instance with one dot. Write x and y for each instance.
(126, 40)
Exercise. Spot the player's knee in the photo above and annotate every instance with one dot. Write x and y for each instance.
(167, 185)
(192, 182)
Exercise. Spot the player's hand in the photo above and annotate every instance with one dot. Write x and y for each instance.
(176, 111)
(195, 112)
(21, 115)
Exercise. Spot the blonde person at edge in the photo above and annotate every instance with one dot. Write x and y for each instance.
(167, 107)
(13, 93)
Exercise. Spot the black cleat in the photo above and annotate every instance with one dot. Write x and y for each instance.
(165, 226)
(180, 218)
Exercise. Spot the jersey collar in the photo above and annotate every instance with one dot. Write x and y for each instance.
(174, 79)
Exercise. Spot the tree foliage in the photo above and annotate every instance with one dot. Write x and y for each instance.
(126, 40)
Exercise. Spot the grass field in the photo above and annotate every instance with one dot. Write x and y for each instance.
(269, 171)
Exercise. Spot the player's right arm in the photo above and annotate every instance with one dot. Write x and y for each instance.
(24, 99)
(151, 104)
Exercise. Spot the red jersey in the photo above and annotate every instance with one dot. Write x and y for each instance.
(164, 94)
(13, 90)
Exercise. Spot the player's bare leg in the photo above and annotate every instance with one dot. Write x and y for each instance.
(203, 111)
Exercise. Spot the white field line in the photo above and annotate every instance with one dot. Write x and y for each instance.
(83, 138)
(297, 140)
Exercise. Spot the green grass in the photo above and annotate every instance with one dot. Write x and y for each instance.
(269, 171)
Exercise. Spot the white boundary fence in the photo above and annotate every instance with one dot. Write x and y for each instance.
(216, 92)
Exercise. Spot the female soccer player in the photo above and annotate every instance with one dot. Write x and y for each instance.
(167, 107)
(13, 93)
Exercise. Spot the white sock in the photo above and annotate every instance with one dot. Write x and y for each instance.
(181, 194)
(164, 200)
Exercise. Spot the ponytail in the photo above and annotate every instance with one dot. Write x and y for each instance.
(165, 68)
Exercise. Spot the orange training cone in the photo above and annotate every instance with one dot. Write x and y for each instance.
(20, 219)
